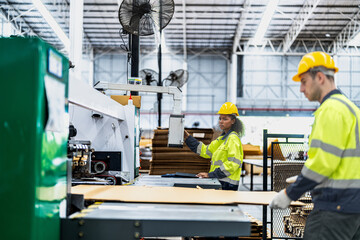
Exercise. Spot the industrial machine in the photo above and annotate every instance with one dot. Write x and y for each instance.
(34, 132)
(110, 130)
(40, 162)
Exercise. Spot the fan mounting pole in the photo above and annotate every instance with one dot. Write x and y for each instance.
(159, 62)
(135, 49)
(134, 41)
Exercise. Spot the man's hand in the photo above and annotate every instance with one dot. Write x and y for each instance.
(186, 134)
(281, 200)
(203, 175)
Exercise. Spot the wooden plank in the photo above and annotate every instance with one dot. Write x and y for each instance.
(154, 171)
(198, 136)
(168, 150)
(201, 161)
(179, 164)
(179, 156)
(173, 195)
(164, 142)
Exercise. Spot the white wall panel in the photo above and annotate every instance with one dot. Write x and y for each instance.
(267, 82)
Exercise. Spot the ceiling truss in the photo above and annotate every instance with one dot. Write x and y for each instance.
(198, 26)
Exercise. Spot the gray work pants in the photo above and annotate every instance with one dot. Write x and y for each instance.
(326, 225)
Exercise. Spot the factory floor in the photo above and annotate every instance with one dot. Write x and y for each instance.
(253, 210)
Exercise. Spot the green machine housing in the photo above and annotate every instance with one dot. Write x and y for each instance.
(33, 130)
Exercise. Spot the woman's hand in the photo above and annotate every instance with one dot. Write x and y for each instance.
(186, 134)
(203, 175)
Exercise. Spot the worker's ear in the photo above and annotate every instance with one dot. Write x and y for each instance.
(321, 77)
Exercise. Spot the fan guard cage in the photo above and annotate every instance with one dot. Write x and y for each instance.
(142, 17)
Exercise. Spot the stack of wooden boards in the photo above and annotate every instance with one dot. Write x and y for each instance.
(291, 221)
(294, 223)
(256, 229)
(172, 160)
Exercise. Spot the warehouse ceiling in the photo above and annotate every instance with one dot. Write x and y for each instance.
(200, 26)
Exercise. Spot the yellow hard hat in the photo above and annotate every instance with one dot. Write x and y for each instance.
(228, 108)
(314, 59)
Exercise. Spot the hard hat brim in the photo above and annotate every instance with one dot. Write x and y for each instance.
(219, 113)
(297, 78)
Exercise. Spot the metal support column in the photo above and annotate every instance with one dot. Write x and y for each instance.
(76, 37)
(232, 79)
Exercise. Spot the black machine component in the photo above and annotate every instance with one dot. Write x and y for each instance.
(93, 167)
(72, 131)
(80, 152)
(107, 165)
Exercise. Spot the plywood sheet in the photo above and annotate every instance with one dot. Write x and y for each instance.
(149, 194)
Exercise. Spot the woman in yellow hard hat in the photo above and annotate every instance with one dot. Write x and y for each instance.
(226, 151)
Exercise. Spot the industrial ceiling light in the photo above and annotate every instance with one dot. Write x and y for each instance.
(53, 24)
(265, 21)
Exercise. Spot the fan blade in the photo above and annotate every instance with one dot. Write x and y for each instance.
(146, 27)
(177, 78)
(149, 77)
(167, 12)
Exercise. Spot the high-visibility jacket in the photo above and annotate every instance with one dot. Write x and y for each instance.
(332, 170)
(226, 155)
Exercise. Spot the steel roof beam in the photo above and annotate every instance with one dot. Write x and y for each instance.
(350, 31)
(18, 18)
(241, 25)
(275, 47)
(299, 23)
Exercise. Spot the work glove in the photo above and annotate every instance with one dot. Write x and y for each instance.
(291, 179)
(281, 200)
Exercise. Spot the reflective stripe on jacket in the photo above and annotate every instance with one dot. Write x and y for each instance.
(226, 154)
(333, 168)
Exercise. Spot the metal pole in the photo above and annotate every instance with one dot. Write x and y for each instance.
(159, 95)
(135, 53)
(264, 230)
(76, 38)
(135, 49)
(265, 160)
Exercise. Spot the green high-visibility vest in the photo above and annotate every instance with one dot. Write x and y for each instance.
(226, 154)
(334, 154)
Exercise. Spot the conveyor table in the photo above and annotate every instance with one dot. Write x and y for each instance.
(110, 221)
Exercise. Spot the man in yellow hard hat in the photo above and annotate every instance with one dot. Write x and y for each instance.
(226, 151)
(332, 171)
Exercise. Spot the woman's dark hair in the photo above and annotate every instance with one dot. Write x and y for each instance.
(238, 126)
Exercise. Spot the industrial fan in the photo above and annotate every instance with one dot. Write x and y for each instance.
(144, 17)
(177, 78)
(149, 77)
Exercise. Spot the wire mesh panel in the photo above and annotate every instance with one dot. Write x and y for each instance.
(287, 160)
